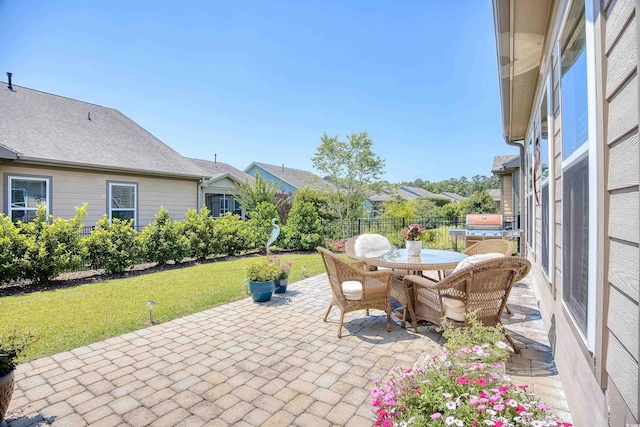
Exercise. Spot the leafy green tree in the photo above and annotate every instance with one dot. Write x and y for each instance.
(250, 195)
(399, 209)
(112, 245)
(164, 240)
(12, 250)
(199, 230)
(352, 168)
(320, 200)
(479, 202)
(303, 231)
(51, 246)
(452, 209)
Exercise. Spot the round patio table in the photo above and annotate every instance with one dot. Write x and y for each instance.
(402, 263)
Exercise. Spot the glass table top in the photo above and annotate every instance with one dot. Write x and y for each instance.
(426, 257)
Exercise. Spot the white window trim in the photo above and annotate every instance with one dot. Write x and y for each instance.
(135, 198)
(10, 208)
(591, 146)
(549, 180)
(224, 204)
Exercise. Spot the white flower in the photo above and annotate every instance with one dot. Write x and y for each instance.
(450, 421)
(488, 422)
(447, 395)
(451, 405)
(536, 423)
(460, 423)
(412, 420)
(501, 344)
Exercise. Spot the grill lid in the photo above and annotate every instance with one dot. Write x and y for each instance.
(484, 221)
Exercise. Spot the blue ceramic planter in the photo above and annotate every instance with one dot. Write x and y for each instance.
(281, 286)
(261, 291)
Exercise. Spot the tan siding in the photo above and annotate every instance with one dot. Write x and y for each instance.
(623, 110)
(73, 187)
(623, 320)
(622, 60)
(623, 215)
(623, 267)
(623, 161)
(507, 195)
(623, 370)
(616, 17)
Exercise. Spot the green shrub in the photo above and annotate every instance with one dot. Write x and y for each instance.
(303, 229)
(163, 240)
(262, 270)
(11, 347)
(12, 250)
(113, 245)
(199, 228)
(231, 235)
(51, 246)
(260, 223)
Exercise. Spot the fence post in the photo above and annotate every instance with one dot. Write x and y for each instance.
(359, 232)
(403, 226)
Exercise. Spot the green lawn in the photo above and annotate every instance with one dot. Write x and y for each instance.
(68, 318)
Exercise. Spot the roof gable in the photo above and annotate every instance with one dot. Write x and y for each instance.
(295, 177)
(501, 162)
(218, 170)
(42, 127)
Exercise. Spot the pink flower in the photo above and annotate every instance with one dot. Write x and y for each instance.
(498, 408)
(476, 348)
(462, 380)
(523, 387)
(503, 389)
(498, 424)
(375, 393)
(436, 416)
(543, 408)
(473, 400)
(417, 391)
(386, 423)
(520, 409)
(480, 408)
(482, 382)
(377, 403)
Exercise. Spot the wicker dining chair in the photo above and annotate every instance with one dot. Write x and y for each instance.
(498, 246)
(484, 287)
(355, 288)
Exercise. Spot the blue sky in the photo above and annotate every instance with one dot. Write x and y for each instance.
(262, 81)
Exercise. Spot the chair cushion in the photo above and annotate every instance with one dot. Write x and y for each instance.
(453, 309)
(352, 289)
(370, 242)
(475, 259)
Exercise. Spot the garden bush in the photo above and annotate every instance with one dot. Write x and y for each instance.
(199, 228)
(12, 249)
(112, 245)
(260, 223)
(231, 235)
(51, 246)
(164, 240)
(303, 229)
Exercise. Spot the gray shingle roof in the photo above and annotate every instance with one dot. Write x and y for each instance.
(53, 129)
(389, 194)
(213, 170)
(495, 193)
(499, 161)
(421, 192)
(453, 196)
(296, 177)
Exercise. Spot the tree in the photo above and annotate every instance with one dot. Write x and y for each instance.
(318, 198)
(352, 168)
(399, 209)
(479, 202)
(251, 195)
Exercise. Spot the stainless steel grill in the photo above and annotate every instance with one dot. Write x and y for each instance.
(484, 226)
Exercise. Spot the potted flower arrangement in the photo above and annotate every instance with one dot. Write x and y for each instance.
(262, 274)
(283, 280)
(460, 387)
(412, 236)
(11, 346)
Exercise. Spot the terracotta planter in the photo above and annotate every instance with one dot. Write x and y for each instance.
(6, 392)
(413, 247)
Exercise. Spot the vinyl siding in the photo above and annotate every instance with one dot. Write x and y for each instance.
(268, 176)
(507, 195)
(73, 187)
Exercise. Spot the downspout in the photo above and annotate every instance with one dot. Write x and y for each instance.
(520, 188)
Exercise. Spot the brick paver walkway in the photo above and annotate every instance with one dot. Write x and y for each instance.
(249, 364)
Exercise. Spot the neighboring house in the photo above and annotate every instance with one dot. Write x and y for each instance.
(569, 92)
(420, 192)
(507, 169)
(496, 195)
(289, 179)
(374, 204)
(217, 192)
(60, 152)
(455, 198)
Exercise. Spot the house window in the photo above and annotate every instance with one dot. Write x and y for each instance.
(575, 168)
(123, 201)
(26, 195)
(543, 170)
(237, 209)
(224, 205)
(220, 204)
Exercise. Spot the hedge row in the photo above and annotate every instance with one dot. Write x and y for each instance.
(45, 247)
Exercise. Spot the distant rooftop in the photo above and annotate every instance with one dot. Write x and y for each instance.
(298, 178)
(500, 162)
(213, 170)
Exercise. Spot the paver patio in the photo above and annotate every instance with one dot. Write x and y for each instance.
(249, 364)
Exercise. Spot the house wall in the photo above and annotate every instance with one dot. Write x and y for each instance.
(620, 85)
(506, 183)
(601, 386)
(268, 176)
(73, 187)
